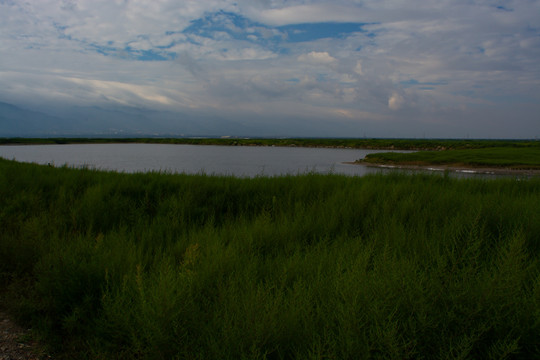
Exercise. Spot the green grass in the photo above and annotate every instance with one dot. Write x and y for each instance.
(159, 266)
(507, 157)
(398, 144)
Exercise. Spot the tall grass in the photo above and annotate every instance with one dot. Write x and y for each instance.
(160, 266)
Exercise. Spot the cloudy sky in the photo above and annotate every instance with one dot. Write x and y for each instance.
(353, 68)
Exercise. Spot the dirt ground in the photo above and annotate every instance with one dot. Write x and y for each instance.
(15, 342)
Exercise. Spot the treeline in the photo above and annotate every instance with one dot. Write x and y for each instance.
(397, 144)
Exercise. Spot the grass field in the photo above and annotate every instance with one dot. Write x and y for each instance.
(499, 157)
(158, 266)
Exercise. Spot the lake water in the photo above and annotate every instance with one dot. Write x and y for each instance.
(244, 161)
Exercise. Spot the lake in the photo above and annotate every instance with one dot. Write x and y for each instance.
(242, 161)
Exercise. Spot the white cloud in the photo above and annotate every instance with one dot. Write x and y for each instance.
(358, 68)
(311, 13)
(317, 57)
(396, 101)
(111, 88)
(246, 54)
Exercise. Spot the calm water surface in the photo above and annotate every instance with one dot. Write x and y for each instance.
(191, 159)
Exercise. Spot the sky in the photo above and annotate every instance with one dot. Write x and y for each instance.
(340, 68)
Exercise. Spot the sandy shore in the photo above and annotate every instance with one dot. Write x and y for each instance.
(459, 169)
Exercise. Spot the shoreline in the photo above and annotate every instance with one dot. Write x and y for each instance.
(458, 169)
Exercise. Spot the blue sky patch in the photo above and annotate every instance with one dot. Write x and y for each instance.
(241, 28)
(221, 22)
(503, 8)
(315, 31)
(127, 52)
(414, 82)
(149, 55)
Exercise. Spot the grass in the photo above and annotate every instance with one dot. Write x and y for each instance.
(159, 266)
(507, 157)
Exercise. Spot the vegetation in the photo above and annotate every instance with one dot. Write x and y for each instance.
(398, 144)
(160, 266)
(507, 157)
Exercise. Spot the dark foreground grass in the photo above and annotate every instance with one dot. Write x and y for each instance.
(157, 266)
(507, 157)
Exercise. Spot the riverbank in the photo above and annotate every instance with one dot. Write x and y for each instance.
(454, 168)
(490, 160)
